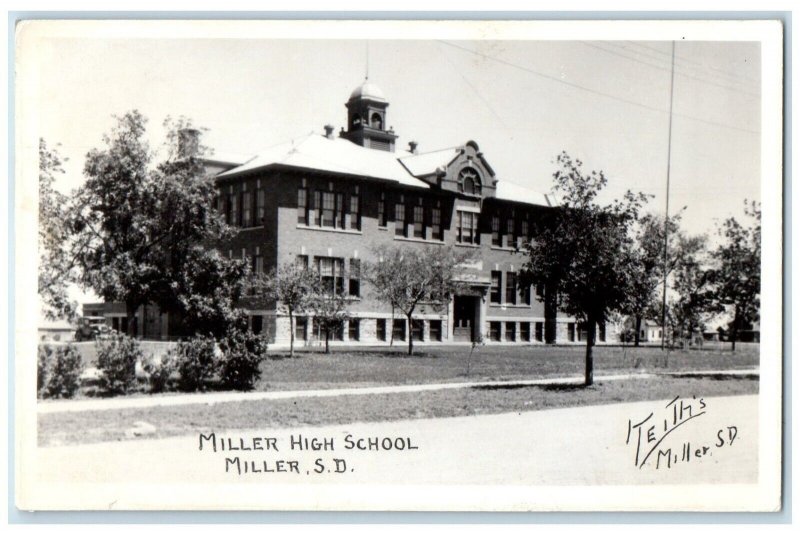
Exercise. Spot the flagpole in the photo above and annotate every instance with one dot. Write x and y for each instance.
(666, 209)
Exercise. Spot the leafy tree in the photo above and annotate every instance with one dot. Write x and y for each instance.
(643, 300)
(145, 234)
(292, 287)
(737, 276)
(55, 267)
(585, 253)
(691, 285)
(330, 311)
(409, 277)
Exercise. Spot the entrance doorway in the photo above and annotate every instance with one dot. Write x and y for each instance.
(465, 316)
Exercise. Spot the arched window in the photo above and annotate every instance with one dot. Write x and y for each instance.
(469, 182)
(376, 121)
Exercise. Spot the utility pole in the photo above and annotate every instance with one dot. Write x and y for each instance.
(666, 210)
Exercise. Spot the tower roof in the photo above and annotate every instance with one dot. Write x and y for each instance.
(368, 90)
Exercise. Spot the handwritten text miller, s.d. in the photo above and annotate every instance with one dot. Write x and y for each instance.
(241, 453)
(655, 442)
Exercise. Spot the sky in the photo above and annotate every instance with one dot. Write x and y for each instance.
(604, 102)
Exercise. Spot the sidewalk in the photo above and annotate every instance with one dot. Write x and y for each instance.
(51, 407)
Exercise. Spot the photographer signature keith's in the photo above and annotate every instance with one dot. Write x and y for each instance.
(651, 435)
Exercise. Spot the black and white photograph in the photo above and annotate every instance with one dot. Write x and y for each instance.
(398, 265)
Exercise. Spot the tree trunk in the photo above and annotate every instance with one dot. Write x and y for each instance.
(327, 338)
(130, 313)
(291, 334)
(589, 373)
(735, 327)
(391, 328)
(638, 330)
(410, 337)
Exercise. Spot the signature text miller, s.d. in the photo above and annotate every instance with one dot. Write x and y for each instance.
(656, 445)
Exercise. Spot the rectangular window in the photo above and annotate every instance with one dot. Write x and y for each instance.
(571, 332)
(353, 329)
(380, 329)
(525, 294)
(337, 332)
(524, 230)
(331, 272)
(302, 206)
(382, 216)
(511, 288)
(510, 239)
(318, 208)
(258, 262)
(601, 327)
(339, 210)
(328, 210)
(355, 212)
(436, 330)
(247, 209)
(399, 219)
(540, 290)
(539, 331)
(467, 227)
(399, 329)
(525, 331)
(302, 261)
(494, 331)
(419, 222)
(355, 277)
(496, 239)
(511, 331)
(233, 199)
(301, 329)
(495, 290)
(417, 328)
(436, 224)
(260, 207)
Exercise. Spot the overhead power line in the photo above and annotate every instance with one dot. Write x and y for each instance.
(697, 67)
(687, 60)
(594, 91)
(709, 82)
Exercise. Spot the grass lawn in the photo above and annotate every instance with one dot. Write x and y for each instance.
(432, 364)
(380, 366)
(110, 425)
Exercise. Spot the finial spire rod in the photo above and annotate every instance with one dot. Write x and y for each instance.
(366, 68)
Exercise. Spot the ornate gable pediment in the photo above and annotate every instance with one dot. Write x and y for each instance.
(468, 174)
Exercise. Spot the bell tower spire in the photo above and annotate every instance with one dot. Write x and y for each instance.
(366, 117)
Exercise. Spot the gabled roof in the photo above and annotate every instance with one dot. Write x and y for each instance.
(338, 155)
(509, 191)
(427, 163)
(315, 151)
(226, 158)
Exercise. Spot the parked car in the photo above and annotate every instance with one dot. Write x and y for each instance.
(92, 328)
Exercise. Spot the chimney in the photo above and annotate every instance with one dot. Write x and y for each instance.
(329, 131)
(412, 147)
(188, 143)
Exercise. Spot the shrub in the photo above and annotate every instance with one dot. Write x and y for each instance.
(59, 372)
(242, 353)
(196, 362)
(159, 371)
(41, 371)
(116, 359)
